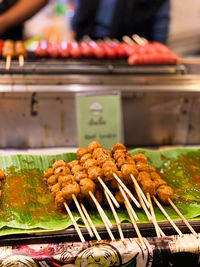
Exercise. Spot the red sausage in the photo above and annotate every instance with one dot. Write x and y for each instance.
(64, 49)
(86, 50)
(75, 51)
(41, 50)
(109, 51)
(120, 51)
(1, 47)
(52, 50)
(150, 59)
(97, 49)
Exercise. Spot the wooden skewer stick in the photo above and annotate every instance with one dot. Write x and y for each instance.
(21, 60)
(139, 40)
(140, 190)
(183, 218)
(127, 191)
(143, 204)
(128, 40)
(90, 222)
(135, 225)
(82, 216)
(102, 216)
(115, 215)
(167, 216)
(8, 62)
(101, 210)
(128, 203)
(109, 192)
(153, 216)
(74, 222)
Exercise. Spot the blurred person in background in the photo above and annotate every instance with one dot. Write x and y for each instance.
(116, 18)
(13, 13)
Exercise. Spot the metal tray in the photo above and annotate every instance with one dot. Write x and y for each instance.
(70, 235)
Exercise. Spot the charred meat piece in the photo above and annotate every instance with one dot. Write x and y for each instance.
(87, 185)
(81, 151)
(93, 145)
(164, 192)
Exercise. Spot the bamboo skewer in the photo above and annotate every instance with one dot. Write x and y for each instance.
(82, 216)
(74, 222)
(167, 216)
(127, 191)
(109, 192)
(140, 190)
(128, 40)
(102, 216)
(21, 60)
(115, 215)
(101, 210)
(90, 222)
(153, 216)
(8, 62)
(183, 218)
(139, 40)
(128, 203)
(143, 205)
(135, 225)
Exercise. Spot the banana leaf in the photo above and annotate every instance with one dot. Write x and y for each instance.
(27, 206)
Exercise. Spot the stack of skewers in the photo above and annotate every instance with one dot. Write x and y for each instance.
(10, 50)
(137, 51)
(100, 177)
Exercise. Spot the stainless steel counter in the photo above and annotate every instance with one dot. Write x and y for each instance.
(160, 105)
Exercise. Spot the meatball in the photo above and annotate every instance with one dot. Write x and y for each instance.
(73, 163)
(127, 170)
(69, 190)
(84, 158)
(143, 176)
(52, 180)
(1, 174)
(119, 197)
(81, 151)
(55, 189)
(77, 168)
(89, 163)
(114, 183)
(78, 176)
(118, 154)
(48, 172)
(109, 168)
(125, 159)
(92, 146)
(103, 158)
(59, 200)
(152, 169)
(116, 147)
(157, 180)
(142, 167)
(99, 197)
(140, 157)
(164, 192)
(59, 163)
(95, 172)
(87, 185)
(63, 170)
(148, 186)
(97, 152)
(65, 180)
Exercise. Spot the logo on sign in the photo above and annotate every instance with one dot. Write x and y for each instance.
(96, 108)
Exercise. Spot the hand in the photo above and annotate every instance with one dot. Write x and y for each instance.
(3, 24)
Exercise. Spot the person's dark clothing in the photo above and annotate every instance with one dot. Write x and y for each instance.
(129, 17)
